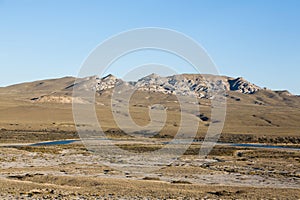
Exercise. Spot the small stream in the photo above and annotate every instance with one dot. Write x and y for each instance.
(58, 142)
(263, 146)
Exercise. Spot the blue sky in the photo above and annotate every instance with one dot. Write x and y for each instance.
(258, 40)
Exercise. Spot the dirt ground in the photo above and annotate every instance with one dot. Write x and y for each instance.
(72, 172)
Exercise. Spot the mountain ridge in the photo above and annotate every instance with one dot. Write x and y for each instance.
(185, 84)
(72, 79)
(41, 103)
(200, 85)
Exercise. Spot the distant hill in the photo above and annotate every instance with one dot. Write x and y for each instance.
(60, 90)
(252, 112)
(200, 85)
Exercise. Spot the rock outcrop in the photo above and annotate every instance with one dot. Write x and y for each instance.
(242, 86)
(199, 85)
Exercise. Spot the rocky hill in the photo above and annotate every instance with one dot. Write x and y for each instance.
(182, 84)
(199, 85)
(250, 109)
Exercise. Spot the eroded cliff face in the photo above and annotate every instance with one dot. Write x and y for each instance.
(182, 84)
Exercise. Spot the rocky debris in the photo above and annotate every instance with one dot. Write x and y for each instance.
(243, 86)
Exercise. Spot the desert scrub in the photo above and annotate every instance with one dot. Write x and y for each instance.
(13, 159)
(151, 178)
(140, 148)
(180, 182)
(42, 149)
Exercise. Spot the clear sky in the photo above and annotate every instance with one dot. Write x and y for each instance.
(258, 40)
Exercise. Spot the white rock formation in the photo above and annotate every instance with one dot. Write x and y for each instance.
(186, 84)
(201, 86)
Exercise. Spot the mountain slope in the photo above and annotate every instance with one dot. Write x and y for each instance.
(252, 112)
(198, 85)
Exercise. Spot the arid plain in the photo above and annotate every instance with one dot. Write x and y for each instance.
(42, 111)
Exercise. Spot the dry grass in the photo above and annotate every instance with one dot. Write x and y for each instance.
(66, 187)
